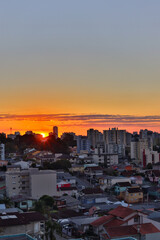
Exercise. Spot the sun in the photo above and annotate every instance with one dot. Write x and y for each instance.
(43, 135)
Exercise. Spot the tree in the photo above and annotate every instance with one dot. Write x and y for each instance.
(47, 200)
(44, 204)
(49, 230)
(39, 207)
(7, 201)
(60, 164)
(69, 140)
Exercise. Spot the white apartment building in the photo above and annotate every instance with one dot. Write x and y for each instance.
(2, 151)
(138, 147)
(134, 149)
(32, 183)
(99, 156)
(148, 156)
(113, 148)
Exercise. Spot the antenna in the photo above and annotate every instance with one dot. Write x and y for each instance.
(11, 130)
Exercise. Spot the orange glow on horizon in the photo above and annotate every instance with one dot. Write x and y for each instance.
(79, 124)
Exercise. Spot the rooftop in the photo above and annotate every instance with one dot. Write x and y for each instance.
(101, 220)
(83, 220)
(16, 237)
(122, 231)
(123, 184)
(92, 190)
(121, 212)
(14, 219)
(134, 190)
(63, 214)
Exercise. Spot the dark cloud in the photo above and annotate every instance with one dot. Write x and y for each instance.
(86, 119)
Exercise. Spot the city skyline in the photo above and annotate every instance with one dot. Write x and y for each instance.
(80, 58)
(79, 124)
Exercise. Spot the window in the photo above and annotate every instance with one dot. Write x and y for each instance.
(136, 219)
(13, 188)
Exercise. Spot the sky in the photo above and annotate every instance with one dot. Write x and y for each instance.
(79, 65)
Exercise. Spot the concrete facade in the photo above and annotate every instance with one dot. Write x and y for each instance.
(30, 183)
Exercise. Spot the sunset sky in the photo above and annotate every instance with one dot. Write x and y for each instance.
(79, 64)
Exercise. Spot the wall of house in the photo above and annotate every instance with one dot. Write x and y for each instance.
(12, 184)
(43, 184)
(31, 228)
(155, 236)
(133, 197)
(118, 189)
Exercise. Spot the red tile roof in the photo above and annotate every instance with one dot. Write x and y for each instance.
(147, 228)
(101, 220)
(113, 222)
(131, 230)
(122, 212)
(122, 231)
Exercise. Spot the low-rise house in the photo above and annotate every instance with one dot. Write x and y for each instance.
(71, 191)
(23, 203)
(59, 202)
(77, 169)
(137, 180)
(41, 156)
(133, 195)
(19, 223)
(64, 214)
(82, 223)
(93, 171)
(64, 178)
(89, 191)
(121, 187)
(125, 222)
(110, 181)
(22, 164)
(145, 231)
(93, 199)
(98, 223)
(67, 202)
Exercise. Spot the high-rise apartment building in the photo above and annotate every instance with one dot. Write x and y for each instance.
(114, 136)
(94, 137)
(55, 131)
(135, 149)
(2, 151)
(83, 144)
